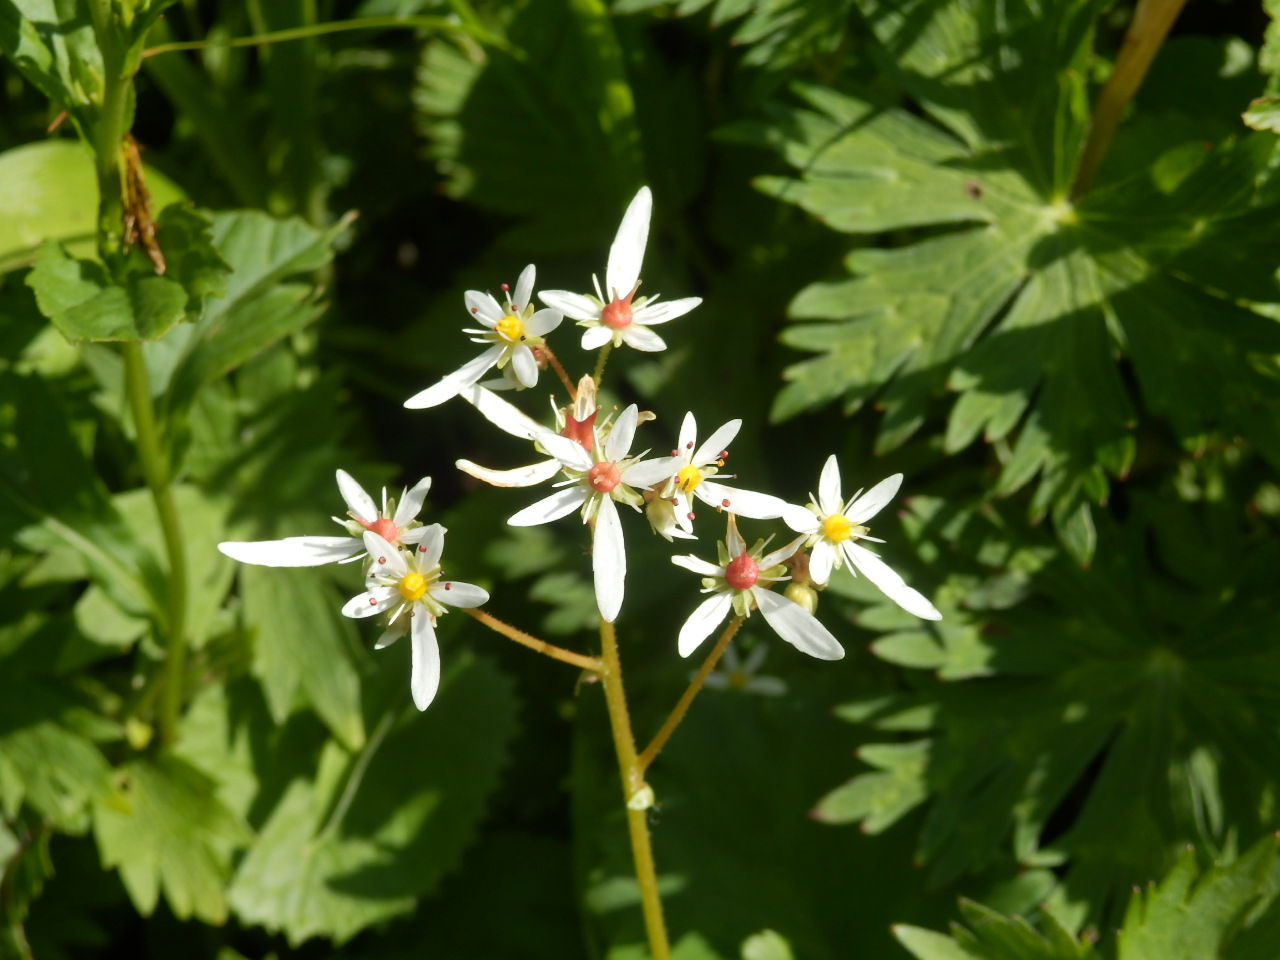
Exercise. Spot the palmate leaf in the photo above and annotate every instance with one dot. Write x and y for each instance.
(1026, 305)
(1190, 915)
(1096, 726)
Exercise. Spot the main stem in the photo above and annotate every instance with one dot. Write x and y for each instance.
(155, 471)
(1147, 31)
(624, 745)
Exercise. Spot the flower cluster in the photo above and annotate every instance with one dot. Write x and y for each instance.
(587, 456)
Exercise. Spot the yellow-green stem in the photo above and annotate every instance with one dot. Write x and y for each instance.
(624, 745)
(604, 358)
(682, 706)
(156, 472)
(1147, 31)
(591, 664)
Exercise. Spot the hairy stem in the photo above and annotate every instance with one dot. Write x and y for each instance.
(1147, 31)
(591, 664)
(558, 367)
(624, 745)
(156, 472)
(682, 706)
(604, 358)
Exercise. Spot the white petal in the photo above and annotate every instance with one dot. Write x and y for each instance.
(484, 307)
(745, 503)
(572, 305)
(292, 551)
(386, 558)
(609, 561)
(389, 636)
(358, 502)
(502, 414)
(410, 504)
(646, 473)
(623, 432)
(784, 552)
(425, 678)
(709, 615)
(519, 477)
(627, 252)
(370, 602)
(596, 337)
(525, 367)
(829, 500)
(559, 504)
(433, 541)
(663, 311)
(543, 322)
(800, 519)
(524, 287)
(894, 587)
(642, 338)
(822, 560)
(453, 384)
(720, 440)
(873, 501)
(688, 437)
(697, 565)
(796, 625)
(454, 593)
(569, 452)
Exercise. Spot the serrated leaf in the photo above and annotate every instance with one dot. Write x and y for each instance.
(175, 837)
(996, 937)
(302, 644)
(63, 60)
(1025, 308)
(329, 865)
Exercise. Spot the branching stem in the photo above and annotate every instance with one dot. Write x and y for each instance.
(682, 706)
(1147, 31)
(591, 664)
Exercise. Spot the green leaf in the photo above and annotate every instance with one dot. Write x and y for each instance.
(62, 60)
(376, 830)
(1263, 114)
(766, 945)
(82, 303)
(996, 937)
(256, 309)
(58, 200)
(1027, 305)
(176, 836)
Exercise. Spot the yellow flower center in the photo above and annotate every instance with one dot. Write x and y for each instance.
(738, 680)
(837, 528)
(511, 328)
(413, 586)
(688, 478)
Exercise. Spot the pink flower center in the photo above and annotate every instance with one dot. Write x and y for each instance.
(383, 527)
(617, 313)
(742, 572)
(604, 476)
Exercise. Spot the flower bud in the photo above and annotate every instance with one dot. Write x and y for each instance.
(804, 595)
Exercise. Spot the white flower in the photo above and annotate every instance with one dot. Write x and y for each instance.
(512, 327)
(396, 524)
(739, 583)
(596, 481)
(611, 316)
(732, 673)
(694, 466)
(833, 527)
(409, 583)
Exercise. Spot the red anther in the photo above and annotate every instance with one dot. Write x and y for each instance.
(604, 476)
(724, 454)
(373, 601)
(505, 288)
(742, 572)
(724, 503)
(689, 445)
(675, 453)
(422, 548)
(382, 559)
(448, 586)
(691, 515)
(675, 501)
(475, 309)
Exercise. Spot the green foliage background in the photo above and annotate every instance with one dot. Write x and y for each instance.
(875, 200)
